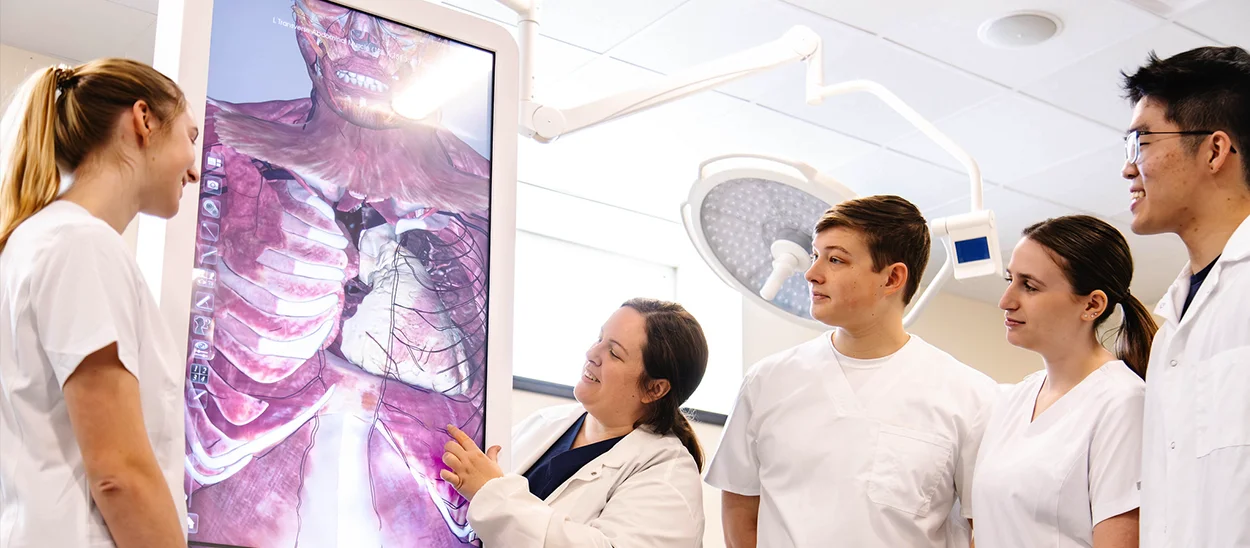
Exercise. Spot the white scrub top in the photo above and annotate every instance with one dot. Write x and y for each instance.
(1196, 437)
(878, 466)
(1047, 482)
(68, 287)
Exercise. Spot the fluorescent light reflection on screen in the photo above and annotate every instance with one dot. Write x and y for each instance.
(457, 71)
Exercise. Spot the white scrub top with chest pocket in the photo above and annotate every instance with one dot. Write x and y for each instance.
(1196, 432)
(833, 466)
(1048, 481)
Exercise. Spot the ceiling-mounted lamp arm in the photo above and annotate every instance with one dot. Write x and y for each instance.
(546, 123)
(528, 19)
(817, 92)
(944, 275)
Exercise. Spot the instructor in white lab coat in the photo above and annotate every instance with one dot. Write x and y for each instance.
(618, 469)
(1061, 457)
(1189, 166)
(867, 435)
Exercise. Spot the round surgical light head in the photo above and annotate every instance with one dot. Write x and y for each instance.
(753, 224)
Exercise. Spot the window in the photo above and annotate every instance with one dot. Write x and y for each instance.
(577, 260)
(565, 291)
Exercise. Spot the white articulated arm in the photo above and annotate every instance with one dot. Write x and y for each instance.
(817, 92)
(546, 123)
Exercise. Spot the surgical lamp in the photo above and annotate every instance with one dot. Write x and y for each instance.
(753, 225)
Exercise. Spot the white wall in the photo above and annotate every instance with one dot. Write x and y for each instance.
(15, 65)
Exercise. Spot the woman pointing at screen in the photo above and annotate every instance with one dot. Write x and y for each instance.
(620, 467)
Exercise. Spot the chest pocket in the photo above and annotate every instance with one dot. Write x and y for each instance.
(908, 468)
(1221, 408)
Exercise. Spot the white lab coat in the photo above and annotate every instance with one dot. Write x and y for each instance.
(1196, 432)
(833, 466)
(642, 493)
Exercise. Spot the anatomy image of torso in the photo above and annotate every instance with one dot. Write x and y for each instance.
(339, 313)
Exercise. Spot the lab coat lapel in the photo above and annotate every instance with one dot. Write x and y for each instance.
(615, 458)
(531, 447)
(1236, 249)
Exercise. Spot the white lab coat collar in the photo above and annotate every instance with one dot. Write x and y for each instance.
(555, 422)
(1235, 250)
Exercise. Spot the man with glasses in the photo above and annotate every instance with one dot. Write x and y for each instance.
(1190, 176)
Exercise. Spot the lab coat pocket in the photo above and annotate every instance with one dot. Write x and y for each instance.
(907, 469)
(1221, 405)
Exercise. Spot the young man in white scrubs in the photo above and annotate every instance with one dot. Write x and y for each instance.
(865, 436)
(1188, 146)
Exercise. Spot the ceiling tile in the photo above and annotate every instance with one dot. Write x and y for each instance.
(1165, 8)
(927, 185)
(489, 9)
(645, 162)
(596, 26)
(931, 88)
(745, 127)
(699, 31)
(148, 6)
(1091, 87)
(1012, 136)
(1089, 183)
(948, 31)
(1223, 20)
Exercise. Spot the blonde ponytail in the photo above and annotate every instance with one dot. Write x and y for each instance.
(31, 178)
(62, 115)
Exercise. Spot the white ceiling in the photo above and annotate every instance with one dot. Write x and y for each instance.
(1044, 122)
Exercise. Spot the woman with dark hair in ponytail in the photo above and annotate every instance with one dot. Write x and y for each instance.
(1061, 458)
(618, 468)
(91, 427)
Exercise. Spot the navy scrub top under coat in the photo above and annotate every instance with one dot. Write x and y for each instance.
(561, 461)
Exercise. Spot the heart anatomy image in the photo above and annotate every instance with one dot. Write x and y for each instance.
(338, 315)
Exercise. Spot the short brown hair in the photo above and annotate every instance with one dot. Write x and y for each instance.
(894, 230)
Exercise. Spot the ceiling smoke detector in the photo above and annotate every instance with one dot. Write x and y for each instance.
(1021, 29)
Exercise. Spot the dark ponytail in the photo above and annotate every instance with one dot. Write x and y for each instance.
(1095, 256)
(1135, 335)
(676, 351)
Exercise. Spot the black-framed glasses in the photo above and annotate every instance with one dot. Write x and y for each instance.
(1132, 141)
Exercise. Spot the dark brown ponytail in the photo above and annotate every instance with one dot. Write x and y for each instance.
(1135, 335)
(1095, 256)
(676, 351)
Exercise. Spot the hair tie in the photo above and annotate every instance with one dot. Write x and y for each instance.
(65, 76)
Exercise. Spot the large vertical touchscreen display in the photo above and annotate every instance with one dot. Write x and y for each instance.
(338, 315)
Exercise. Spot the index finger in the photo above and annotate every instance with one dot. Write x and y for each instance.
(464, 439)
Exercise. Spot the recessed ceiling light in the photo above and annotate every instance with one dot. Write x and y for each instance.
(1021, 29)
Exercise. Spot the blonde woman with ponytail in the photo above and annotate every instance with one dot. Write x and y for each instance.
(618, 468)
(1061, 458)
(91, 427)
